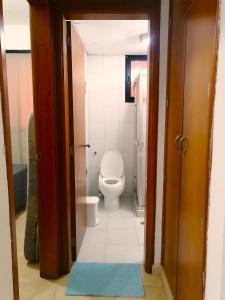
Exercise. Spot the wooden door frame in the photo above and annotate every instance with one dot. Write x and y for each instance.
(7, 141)
(71, 130)
(153, 15)
(50, 87)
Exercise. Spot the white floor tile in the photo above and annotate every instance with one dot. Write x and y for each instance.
(117, 223)
(122, 237)
(101, 208)
(123, 254)
(140, 235)
(103, 222)
(119, 237)
(142, 249)
(126, 203)
(95, 236)
(91, 253)
(122, 213)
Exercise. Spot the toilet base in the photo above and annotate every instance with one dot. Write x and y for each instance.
(111, 203)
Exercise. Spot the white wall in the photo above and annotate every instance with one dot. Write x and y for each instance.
(215, 276)
(17, 37)
(111, 121)
(223, 267)
(6, 283)
(161, 126)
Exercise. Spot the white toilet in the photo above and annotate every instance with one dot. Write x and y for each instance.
(111, 178)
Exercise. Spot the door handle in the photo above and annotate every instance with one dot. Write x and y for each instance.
(87, 146)
(38, 156)
(177, 142)
(184, 142)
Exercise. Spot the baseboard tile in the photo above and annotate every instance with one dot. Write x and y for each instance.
(158, 270)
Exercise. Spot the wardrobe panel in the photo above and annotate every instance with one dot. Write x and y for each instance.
(199, 84)
(174, 129)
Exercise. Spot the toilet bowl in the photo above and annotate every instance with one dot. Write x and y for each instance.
(111, 178)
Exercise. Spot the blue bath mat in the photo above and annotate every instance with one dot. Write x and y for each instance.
(104, 279)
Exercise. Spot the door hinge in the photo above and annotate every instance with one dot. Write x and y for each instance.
(163, 249)
(4, 149)
(209, 89)
(203, 280)
(73, 242)
(68, 41)
(71, 150)
(167, 102)
(85, 87)
(165, 179)
(170, 22)
(210, 157)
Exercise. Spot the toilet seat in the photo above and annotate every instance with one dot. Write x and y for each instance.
(112, 182)
(111, 178)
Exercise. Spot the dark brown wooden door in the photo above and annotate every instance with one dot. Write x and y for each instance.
(174, 131)
(197, 118)
(78, 106)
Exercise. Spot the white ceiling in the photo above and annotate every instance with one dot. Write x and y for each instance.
(113, 37)
(16, 12)
(99, 37)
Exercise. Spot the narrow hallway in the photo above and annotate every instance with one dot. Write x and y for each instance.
(32, 287)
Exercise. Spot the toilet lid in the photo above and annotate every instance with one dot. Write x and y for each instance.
(111, 164)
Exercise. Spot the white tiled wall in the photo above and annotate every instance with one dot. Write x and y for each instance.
(111, 122)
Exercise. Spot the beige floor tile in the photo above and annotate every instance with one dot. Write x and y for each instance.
(20, 222)
(20, 242)
(155, 293)
(151, 293)
(20, 230)
(28, 273)
(152, 280)
(62, 281)
(37, 291)
(20, 217)
(149, 279)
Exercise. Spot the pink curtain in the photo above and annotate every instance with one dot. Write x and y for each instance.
(19, 75)
(137, 67)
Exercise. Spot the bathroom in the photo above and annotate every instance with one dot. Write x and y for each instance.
(116, 122)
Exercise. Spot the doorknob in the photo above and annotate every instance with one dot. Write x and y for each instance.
(177, 143)
(38, 156)
(87, 146)
(184, 144)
